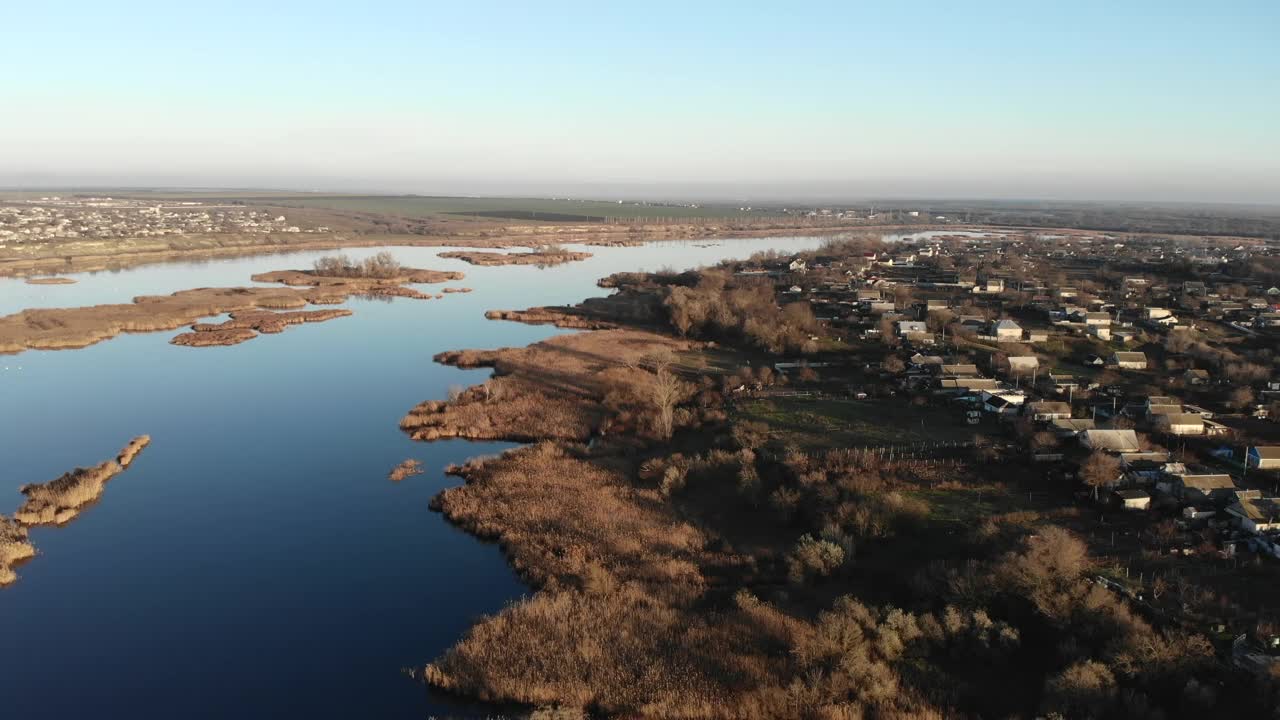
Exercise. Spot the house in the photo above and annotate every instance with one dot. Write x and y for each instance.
(1007, 330)
(991, 286)
(1255, 514)
(921, 360)
(1102, 332)
(1022, 364)
(933, 304)
(1128, 360)
(1063, 383)
(1180, 423)
(1133, 499)
(1195, 488)
(1097, 318)
(910, 327)
(960, 371)
(1143, 468)
(1193, 287)
(1036, 336)
(1196, 376)
(1112, 441)
(969, 384)
(1154, 411)
(1047, 410)
(1071, 427)
(1264, 457)
(797, 265)
(1156, 313)
(1001, 403)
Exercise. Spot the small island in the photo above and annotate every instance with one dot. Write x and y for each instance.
(333, 280)
(52, 280)
(545, 256)
(57, 502)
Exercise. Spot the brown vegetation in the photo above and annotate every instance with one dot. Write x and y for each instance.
(405, 469)
(242, 326)
(543, 257)
(50, 281)
(562, 388)
(14, 548)
(67, 328)
(691, 565)
(61, 499)
(549, 316)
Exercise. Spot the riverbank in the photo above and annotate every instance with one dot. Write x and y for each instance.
(648, 598)
(97, 255)
(565, 388)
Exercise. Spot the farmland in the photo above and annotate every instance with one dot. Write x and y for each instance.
(417, 206)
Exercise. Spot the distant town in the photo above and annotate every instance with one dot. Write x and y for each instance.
(55, 217)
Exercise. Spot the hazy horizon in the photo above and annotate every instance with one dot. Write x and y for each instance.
(1142, 103)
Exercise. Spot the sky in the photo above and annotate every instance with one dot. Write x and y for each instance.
(1132, 100)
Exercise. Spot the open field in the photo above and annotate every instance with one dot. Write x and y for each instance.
(415, 206)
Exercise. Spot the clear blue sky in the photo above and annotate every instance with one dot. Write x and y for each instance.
(1153, 100)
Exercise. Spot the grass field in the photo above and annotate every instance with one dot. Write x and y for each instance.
(853, 423)
(514, 208)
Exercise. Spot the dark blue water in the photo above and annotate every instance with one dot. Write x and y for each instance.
(255, 561)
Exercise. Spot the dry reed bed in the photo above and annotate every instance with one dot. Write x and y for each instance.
(70, 328)
(245, 325)
(311, 278)
(57, 502)
(620, 624)
(555, 389)
(405, 469)
(615, 624)
(60, 500)
(50, 281)
(14, 548)
(549, 316)
(537, 257)
(66, 328)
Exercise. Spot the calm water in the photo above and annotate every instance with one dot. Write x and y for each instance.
(255, 561)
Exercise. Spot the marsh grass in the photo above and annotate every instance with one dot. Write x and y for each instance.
(61, 499)
(406, 469)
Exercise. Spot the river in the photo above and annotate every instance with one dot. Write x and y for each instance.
(255, 561)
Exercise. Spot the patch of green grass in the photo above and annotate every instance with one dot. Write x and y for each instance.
(968, 506)
(854, 423)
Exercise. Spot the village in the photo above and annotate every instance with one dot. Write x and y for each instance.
(57, 217)
(1135, 375)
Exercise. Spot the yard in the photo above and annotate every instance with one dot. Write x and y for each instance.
(835, 422)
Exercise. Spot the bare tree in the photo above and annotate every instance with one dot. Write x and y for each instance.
(665, 391)
(1099, 470)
